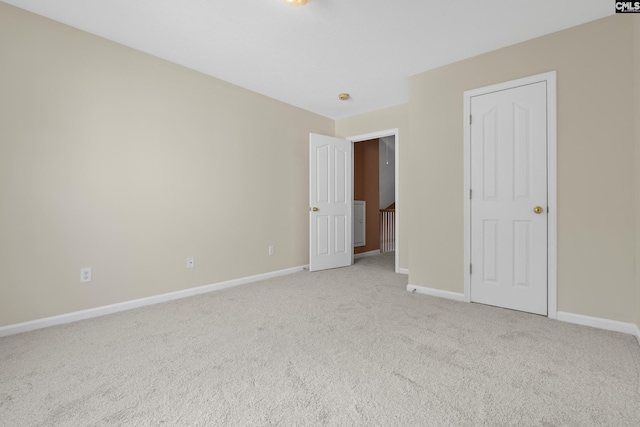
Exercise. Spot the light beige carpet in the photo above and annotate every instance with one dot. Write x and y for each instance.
(345, 347)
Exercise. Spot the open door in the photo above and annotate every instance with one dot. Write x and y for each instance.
(330, 204)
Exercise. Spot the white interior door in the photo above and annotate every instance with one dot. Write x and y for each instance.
(330, 194)
(509, 198)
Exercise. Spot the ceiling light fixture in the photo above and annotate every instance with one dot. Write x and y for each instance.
(297, 2)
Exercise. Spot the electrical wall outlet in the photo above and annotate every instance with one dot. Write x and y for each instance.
(272, 250)
(191, 262)
(85, 275)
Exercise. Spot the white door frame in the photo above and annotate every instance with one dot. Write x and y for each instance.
(552, 183)
(381, 134)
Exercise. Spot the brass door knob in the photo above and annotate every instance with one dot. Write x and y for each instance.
(538, 209)
(314, 209)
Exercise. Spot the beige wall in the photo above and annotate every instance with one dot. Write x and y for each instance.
(377, 121)
(119, 161)
(596, 213)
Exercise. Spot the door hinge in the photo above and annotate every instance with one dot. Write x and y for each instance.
(470, 194)
(470, 119)
(470, 268)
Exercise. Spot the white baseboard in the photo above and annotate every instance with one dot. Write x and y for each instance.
(597, 322)
(366, 254)
(403, 271)
(137, 303)
(436, 292)
(579, 319)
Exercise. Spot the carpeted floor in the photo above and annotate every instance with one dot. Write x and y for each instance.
(344, 347)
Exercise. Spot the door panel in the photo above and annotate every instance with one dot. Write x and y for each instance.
(522, 253)
(322, 174)
(509, 179)
(322, 229)
(330, 192)
(490, 139)
(521, 150)
(490, 251)
(340, 154)
(341, 233)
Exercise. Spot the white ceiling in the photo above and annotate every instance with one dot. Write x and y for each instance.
(306, 55)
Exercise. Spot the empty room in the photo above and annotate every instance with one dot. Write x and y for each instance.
(320, 212)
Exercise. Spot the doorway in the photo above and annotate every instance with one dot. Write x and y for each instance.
(331, 200)
(374, 196)
(387, 150)
(510, 195)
